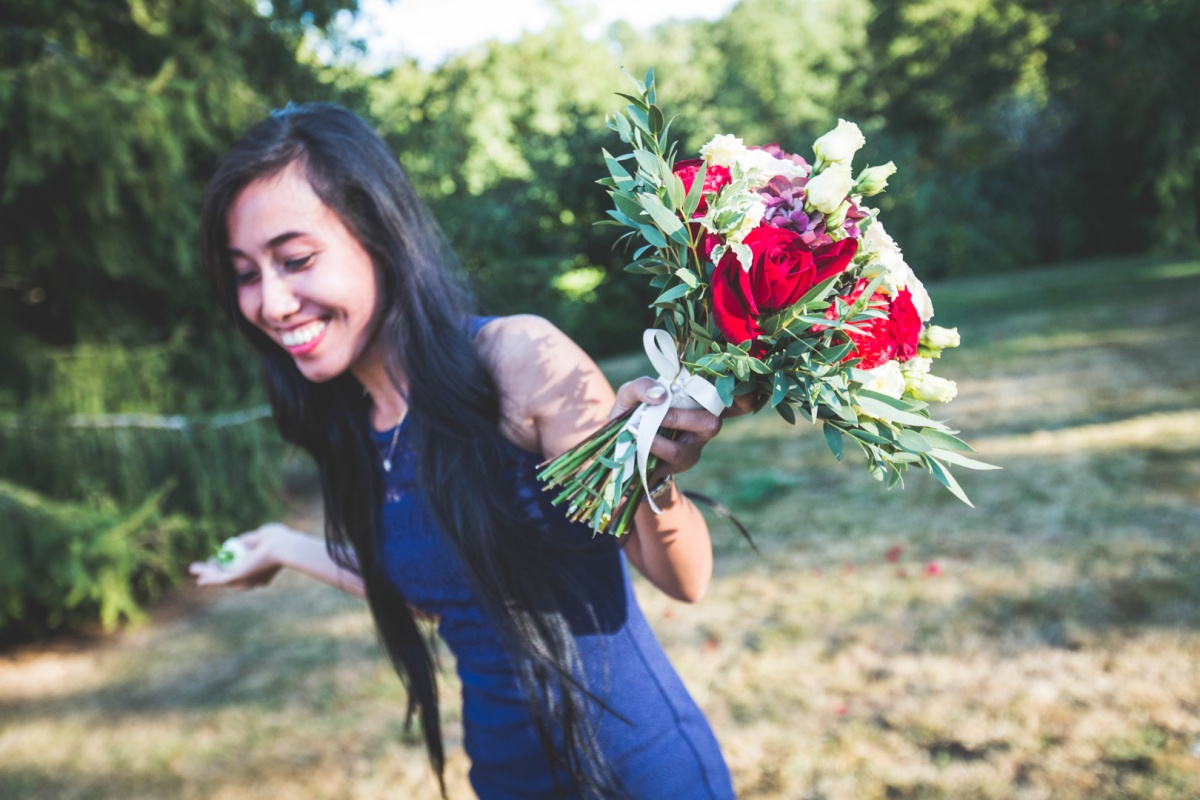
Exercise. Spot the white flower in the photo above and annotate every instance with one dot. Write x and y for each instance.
(915, 367)
(920, 298)
(897, 274)
(723, 150)
(840, 144)
(878, 240)
(885, 379)
(874, 180)
(932, 389)
(935, 337)
(827, 190)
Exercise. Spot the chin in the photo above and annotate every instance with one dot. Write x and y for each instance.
(316, 373)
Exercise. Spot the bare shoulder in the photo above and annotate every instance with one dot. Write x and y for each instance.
(546, 381)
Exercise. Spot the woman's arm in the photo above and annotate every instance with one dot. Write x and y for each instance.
(268, 550)
(553, 396)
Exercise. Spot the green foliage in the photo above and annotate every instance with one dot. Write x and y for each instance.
(112, 117)
(67, 564)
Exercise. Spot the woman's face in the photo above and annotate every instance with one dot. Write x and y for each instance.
(302, 278)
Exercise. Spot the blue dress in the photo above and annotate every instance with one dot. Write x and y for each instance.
(653, 735)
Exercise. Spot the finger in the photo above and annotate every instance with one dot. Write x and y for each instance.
(642, 390)
(697, 421)
(678, 455)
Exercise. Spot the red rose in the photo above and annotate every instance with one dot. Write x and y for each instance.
(878, 341)
(781, 272)
(832, 258)
(714, 179)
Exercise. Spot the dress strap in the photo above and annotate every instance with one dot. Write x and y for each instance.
(477, 323)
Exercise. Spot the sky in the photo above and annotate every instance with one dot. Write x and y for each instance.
(432, 30)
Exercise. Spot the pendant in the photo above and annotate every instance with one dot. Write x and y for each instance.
(387, 465)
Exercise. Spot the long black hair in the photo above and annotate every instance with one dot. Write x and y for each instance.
(520, 577)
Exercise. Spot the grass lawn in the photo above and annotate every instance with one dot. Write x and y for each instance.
(885, 645)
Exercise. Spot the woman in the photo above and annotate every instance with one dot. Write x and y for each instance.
(426, 425)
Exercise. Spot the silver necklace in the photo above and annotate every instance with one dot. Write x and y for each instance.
(387, 460)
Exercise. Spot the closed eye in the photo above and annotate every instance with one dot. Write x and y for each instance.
(245, 278)
(296, 264)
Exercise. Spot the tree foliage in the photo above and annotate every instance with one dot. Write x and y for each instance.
(112, 117)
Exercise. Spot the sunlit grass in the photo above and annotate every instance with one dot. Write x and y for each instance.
(885, 644)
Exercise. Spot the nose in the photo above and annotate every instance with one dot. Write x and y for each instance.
(278, 300)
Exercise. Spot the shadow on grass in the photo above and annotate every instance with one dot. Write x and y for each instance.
(63, 784)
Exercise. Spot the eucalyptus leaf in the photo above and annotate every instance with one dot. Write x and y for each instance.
(638, 102)
(654, 236)
(865, 436)
(756, 365)
(911, 440)
(622, 127)
(873, 406)
(674, 293)
(622, 219)
(656, 120)
(675, 191)
(943, 476)
(628, 205)
(667, 221)
(959, 459)
(696, 193)
(647, 163)
(833, 437)
(787, 412)
(779, 389)
(944, 441)
(725, 385)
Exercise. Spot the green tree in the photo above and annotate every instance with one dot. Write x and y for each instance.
(112, 117)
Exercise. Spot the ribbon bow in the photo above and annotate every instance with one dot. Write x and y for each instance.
(684, 390)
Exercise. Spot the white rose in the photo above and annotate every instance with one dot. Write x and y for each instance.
(840, 144)
(723, 150)
(885, 379)
(827, 190)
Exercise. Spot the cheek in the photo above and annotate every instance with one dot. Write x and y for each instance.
(248, 302)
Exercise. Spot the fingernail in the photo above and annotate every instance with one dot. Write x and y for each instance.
(656, 392)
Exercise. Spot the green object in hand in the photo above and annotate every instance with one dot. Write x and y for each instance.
(230, 551)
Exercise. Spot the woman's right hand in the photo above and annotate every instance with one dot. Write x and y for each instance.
(257, 567)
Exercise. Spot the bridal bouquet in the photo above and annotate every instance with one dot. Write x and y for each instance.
(774, 280)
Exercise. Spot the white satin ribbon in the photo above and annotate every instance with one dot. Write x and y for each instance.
(684, 390)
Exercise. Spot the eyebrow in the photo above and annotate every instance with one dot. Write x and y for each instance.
(275, 242)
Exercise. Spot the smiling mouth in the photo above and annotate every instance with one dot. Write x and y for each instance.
(299, 341)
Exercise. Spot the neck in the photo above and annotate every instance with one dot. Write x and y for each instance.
(388, 405)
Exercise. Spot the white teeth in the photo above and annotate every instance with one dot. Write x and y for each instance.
(303, 335)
